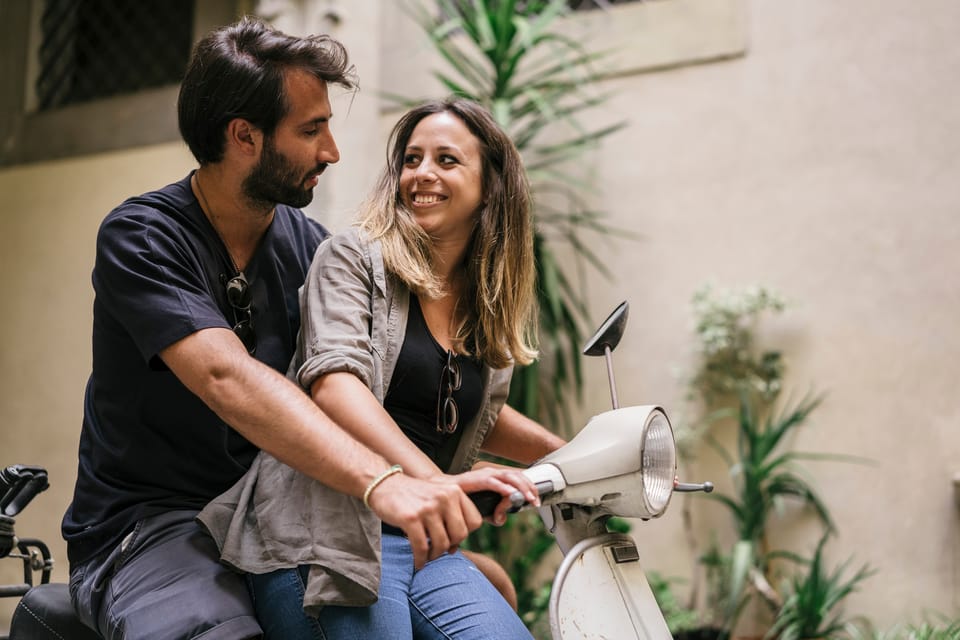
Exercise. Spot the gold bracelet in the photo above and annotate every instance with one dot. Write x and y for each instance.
(395, 469)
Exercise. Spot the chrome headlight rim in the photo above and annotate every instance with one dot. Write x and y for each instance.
(658, 462)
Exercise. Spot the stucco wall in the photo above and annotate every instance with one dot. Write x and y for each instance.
(49, 216)
(824, 163)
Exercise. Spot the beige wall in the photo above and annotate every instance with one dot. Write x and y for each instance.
(49, 214)
(823, 163)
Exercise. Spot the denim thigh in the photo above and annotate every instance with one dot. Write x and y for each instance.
(448, 598)
(451, 598)
(278, 602)
(163, 581)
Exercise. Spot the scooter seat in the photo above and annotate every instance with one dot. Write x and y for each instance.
(45, 613)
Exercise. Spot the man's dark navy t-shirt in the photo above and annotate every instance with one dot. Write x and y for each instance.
(148, 444)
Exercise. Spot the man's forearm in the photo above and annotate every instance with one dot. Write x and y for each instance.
(270, 411)
(277, 416)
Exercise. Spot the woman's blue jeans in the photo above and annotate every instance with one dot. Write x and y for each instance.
(447, 598)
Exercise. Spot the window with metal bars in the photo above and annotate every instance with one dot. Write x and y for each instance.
(101, 48)
(587, 5)
(86, 76)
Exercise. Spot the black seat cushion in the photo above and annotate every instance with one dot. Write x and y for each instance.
(45, 613)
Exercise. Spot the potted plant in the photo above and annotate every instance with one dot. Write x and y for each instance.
(812, 609)
(739, 385)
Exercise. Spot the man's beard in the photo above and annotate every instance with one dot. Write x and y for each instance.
(274, 180)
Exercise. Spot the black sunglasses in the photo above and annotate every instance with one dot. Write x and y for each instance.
(240, 298)
(448, 413)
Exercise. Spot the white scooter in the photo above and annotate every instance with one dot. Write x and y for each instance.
(622, 463)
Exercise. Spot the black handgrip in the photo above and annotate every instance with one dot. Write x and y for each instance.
(487, 501)
(19, 484)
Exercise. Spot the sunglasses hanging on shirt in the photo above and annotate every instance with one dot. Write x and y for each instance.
(240, 297)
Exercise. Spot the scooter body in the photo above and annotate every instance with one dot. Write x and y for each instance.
(622, 463)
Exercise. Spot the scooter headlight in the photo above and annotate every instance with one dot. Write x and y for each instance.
(659, 463)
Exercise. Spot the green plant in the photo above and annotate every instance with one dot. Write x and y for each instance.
(738, 384)
(725, 573)
(727, 361)
(679, 617)
(935, 626)
(509, 56)
(762, 472)
(943, 629)
(725, 323)
(728, 365)
(813, 607)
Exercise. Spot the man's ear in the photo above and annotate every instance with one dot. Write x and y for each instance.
(244, 137)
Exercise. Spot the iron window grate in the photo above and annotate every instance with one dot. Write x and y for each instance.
(587, 5)
(101, 48)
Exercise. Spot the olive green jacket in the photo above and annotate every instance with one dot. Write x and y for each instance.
(354, 318)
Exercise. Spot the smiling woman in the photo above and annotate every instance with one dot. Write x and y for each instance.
(442, 178)
(499, 272)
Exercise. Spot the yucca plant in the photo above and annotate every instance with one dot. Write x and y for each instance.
(935, 626)
(812, 610)
(739, 385)
(509, 56)
(727, 362)
(763, 473)
(946, 629)
(942, 629)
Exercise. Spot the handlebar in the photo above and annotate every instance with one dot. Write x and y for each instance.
(19, 484)
(487, 501)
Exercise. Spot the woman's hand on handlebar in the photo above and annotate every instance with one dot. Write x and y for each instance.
(499, 479)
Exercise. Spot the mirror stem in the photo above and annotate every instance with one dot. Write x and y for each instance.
(608, 355)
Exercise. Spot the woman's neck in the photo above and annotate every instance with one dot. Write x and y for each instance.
(448, 262)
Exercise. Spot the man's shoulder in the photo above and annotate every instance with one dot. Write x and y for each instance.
(172, 199)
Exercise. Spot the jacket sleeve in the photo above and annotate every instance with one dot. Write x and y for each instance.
(336, 312)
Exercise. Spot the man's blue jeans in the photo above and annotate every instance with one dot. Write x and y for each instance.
(447, 598)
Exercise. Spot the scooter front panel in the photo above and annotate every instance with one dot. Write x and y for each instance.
(601, 591)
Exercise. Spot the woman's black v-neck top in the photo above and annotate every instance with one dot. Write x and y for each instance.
(414, 395)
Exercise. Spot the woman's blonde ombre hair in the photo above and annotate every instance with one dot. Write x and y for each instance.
(498, 311)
